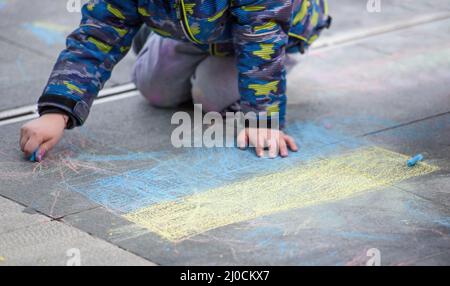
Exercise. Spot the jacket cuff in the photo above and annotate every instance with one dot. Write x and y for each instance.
(78, 111)
(266, 123)
(263, 121)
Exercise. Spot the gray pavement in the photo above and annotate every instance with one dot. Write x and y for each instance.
(29, 238)
(388, 91)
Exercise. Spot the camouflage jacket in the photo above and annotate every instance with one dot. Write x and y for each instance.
(257, 32)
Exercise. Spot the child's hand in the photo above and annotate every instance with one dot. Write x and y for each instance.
(40, 135)
(275, 140)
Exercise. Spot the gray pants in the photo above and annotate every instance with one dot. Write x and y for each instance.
(168, 73)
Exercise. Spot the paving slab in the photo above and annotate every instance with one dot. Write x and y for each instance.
(350, 15)
(28, 238)
(431, 138)
(56, 244)
(14, 216)
(402, 78)
(22, 76)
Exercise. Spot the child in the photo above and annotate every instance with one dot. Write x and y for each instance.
(234, 51)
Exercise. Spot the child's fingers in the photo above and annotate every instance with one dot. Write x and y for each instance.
(260, 144)
(23, 140)
(291, 143)
(242, 140)
(46, 146)
(283, 148)
(273, 147)
(259, 151)
(31, 145)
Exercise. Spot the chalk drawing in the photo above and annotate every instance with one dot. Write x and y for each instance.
(49, 33)
(171, 194)
(444, 221)
(420, 216)
(368, 236)
(317, 182)
(19, 64)
(170, 176)
(3, 4)
(381, 73)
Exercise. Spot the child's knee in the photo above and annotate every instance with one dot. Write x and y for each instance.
(214, 84)
(159, 92)
(159, 98)
(148, 86)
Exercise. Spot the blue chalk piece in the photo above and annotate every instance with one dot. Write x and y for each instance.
(34, 155)
(413, 161)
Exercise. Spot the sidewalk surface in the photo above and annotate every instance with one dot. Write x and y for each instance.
(371, 93)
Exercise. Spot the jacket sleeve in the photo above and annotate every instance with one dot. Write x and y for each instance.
(103, 38)
(260, 35)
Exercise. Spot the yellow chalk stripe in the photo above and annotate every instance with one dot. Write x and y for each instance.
(51, 26)
(310, 184)
(264, 89)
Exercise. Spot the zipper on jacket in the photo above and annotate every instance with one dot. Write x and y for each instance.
(181, 15)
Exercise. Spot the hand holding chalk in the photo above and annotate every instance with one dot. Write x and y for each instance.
(41, 135)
